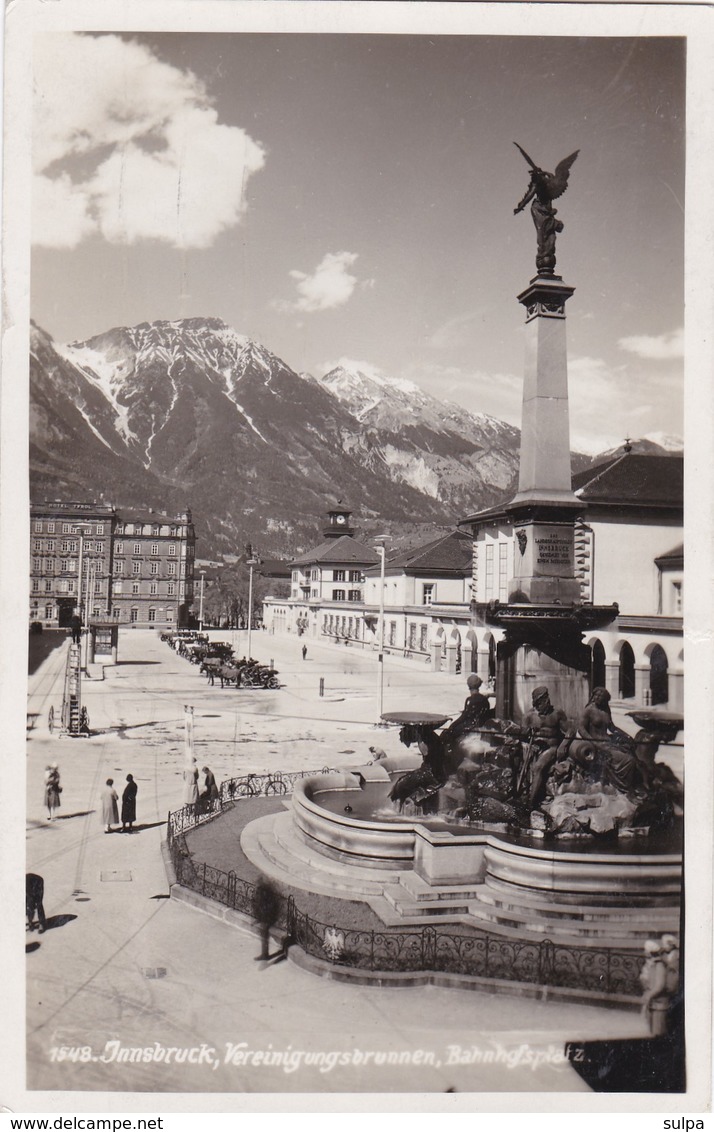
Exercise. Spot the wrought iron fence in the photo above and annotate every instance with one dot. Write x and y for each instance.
(418, 949)
(265, 785)
(478, 954)
(246, 786)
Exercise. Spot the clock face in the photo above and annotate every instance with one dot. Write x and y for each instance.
(340, 519)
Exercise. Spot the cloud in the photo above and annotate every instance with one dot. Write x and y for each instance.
(608, 403)
(329, 286)
(354, 366)
(454, 332)
(130, 148)
(496, 394)
(660, 347)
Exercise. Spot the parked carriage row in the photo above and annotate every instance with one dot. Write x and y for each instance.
(216, 661)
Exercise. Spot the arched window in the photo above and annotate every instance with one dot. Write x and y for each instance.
(627, 672)
(597, 666)
(659, 681)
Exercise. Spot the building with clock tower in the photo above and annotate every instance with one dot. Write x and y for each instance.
(327, 579)
(338, 522)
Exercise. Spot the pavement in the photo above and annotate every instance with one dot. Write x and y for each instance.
(131, 993)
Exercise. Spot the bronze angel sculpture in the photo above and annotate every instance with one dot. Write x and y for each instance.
(543, 189)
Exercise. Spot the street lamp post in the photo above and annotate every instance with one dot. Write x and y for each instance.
(380, 657)
(200, 606)
(83, 605)
(253, 561)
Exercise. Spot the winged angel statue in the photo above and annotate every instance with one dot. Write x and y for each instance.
(543, 189)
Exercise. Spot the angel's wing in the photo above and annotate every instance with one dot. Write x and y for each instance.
(558, 183)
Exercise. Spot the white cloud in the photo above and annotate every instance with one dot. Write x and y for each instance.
(607, 404)
(130, 147)
(660, 347)
(354, 366)
(330, 284)
(454, 332)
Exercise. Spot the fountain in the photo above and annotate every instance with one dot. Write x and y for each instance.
(542, 815)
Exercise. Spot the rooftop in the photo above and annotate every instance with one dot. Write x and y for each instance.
(343, 549)
(633, 478)
(449, 553)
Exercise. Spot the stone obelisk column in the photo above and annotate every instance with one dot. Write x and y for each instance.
(544, 507)
(544, 617)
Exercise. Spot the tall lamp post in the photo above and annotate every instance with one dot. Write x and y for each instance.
(200, 604)
(83, 606)
(380, 658)
(253, 560)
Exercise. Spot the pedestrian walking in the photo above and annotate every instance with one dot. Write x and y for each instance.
(378, 753)
(52, 790)
(128, 804)
(110, 810)
(211, 795)
(76, 624)
(266, 907)
(304, 652)
(190, 778)
(34, 896)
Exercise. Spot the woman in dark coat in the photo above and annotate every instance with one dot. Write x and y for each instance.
(128, 804)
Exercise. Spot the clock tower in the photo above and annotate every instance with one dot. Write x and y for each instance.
(338, 521)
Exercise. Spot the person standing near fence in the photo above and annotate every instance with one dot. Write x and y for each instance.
(211, 795)
(190, 778)
(110, 811)
(128, 805)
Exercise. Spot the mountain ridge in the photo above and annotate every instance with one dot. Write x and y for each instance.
(190, 412)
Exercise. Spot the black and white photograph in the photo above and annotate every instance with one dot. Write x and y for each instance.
(356, 415)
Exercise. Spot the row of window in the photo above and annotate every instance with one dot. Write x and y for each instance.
(339, 595)
(50, 613)
(337, 575)
(63, 585)
(341, 626)
(153, 588)
(47, 546)
(119, 548)
(66, 528)
(154, 529)
(136, 567)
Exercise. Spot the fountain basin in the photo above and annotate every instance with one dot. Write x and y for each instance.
(633, 871)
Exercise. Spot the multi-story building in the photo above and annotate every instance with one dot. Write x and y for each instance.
(327, 585)
(153, 569)
(628, 549)
(88, 558)
(70, 560)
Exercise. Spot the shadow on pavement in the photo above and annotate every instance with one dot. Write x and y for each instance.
(138, 827)
(29, 947)
(135, 663)
(75, 814)
(59, 921)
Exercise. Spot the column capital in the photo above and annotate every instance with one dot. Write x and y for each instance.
(545, 296)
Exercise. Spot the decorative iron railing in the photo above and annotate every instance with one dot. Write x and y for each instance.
(478, 954)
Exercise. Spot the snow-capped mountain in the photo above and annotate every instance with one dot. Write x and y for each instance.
(190, 412)
(438, 447)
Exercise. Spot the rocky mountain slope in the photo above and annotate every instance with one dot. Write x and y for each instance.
(182, 413)
(191, 413)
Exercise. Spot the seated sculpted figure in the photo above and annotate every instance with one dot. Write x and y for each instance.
(616, 749)
(549, 737)
(477, 709)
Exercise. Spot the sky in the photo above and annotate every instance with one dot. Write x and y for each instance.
(349, 198)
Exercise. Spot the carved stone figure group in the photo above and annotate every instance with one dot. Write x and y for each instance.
(582, 777)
